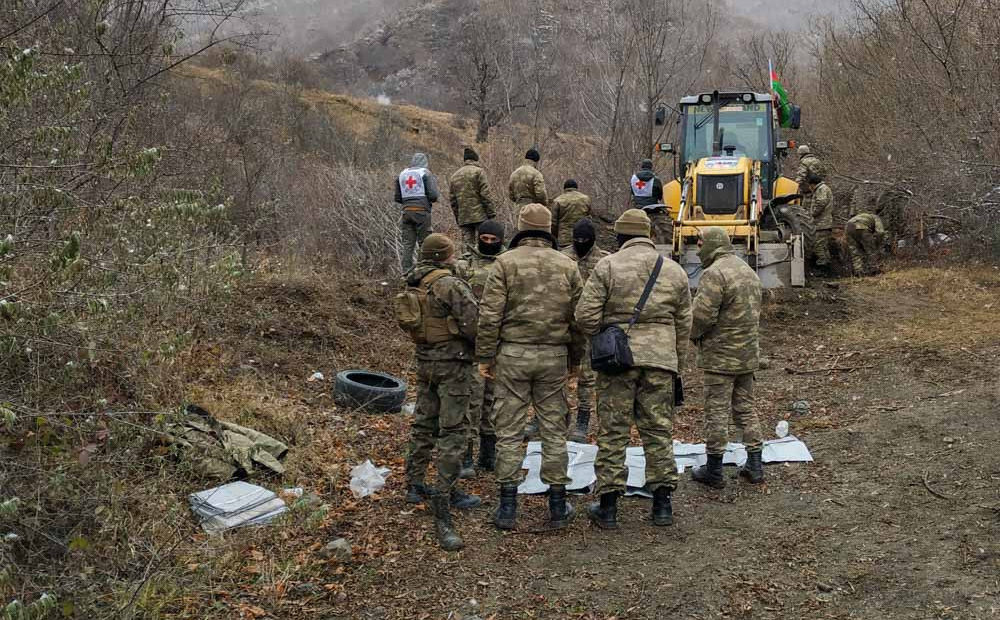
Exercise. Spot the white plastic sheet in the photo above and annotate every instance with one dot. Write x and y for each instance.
(367, 479)
(582, 457)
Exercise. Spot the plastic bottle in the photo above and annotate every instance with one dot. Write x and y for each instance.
(781, 430)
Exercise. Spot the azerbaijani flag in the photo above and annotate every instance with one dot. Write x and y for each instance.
(784, 108)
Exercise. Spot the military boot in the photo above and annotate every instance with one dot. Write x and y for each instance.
(415, 493)
(604, 514)
(711, 473)
(487, 452)
(753, 469)
(663, 511)
(468, 471)
(579, 434)
(462, 500)
(506, 513)
(560, 511)
(447, 537)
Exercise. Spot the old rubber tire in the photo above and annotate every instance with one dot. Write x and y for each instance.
(369, 390)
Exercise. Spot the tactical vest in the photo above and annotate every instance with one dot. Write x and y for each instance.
(640, 188)
(411, 183)
(415, 316)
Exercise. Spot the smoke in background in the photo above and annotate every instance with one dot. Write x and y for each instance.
(320, 25)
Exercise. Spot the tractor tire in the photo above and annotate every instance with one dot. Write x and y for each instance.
(369, 390)
(789, 223)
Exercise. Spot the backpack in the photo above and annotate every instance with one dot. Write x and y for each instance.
(413, 314)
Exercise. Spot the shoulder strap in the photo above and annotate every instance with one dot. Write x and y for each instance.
(646, 291)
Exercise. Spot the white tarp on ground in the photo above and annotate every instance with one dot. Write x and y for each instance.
(236, 504)
(582, 456)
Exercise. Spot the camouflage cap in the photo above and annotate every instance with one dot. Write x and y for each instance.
(534, 217)
(633, 222)
(714, 241)
(804, 150)
(437, 247)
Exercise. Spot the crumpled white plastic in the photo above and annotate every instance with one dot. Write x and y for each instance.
(366, 479)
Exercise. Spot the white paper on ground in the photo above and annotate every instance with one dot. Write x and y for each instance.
(582, 457)
(236, 504)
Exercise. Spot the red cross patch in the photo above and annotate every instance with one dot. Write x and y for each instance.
(410, 182)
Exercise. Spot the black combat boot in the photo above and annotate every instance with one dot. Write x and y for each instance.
(487, 452)
(663, 511)
(579, 434)
(604, 514)
(462, 500)
(711, 473)
(560, 511)
(447, 537)
(507, 511)
(415, 493)
(468, 471)
(753, 469)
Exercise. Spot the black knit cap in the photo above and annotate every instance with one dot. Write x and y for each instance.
(584, 229)
(491, 227)
(468, 154)
(533, 155)
(646, 164)
(570, 184)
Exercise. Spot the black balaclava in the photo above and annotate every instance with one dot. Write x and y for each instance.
(584, 229)
(490, 227)
(623, 239)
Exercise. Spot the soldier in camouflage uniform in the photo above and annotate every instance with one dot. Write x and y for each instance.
(646, 190)
(820, 205)
(470, 197)
(527, 185)
(529, 344)
(586, 254)
(475, 268)
(444, 378)
(725, 326)
(866, 236)
(809, 166)
(416, 191)
(644, 394)
(568, 208)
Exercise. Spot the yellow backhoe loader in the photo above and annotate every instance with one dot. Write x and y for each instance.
(728, 173)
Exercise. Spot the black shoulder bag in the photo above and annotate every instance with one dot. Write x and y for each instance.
(609, 349)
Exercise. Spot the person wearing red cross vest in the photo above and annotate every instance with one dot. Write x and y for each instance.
(646, 192)
(416, 191)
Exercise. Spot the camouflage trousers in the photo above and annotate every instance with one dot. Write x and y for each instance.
(662, 227)
(862, 247)
(531, 376)
(821, 247)
(645, 397)
(441, 419)
(587, 380)
(470, 236)
(730, 397)
(481, 407)
(414, 227)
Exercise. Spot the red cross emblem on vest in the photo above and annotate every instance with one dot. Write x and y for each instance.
(640, 184)
(410, 182)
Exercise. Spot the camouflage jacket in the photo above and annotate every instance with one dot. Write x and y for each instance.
(470, 194)
(809, 163)
(587, 263)
(529, 299)
(568, 208)
(475, 267)
(726, 315)
(449, 296)
(223, 450)
(660, 337)
(871, 223)
(527, 185)
(820, 204)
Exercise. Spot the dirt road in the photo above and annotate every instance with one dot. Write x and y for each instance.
(899, 517)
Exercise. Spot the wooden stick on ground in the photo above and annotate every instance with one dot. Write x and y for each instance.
(927, 485)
